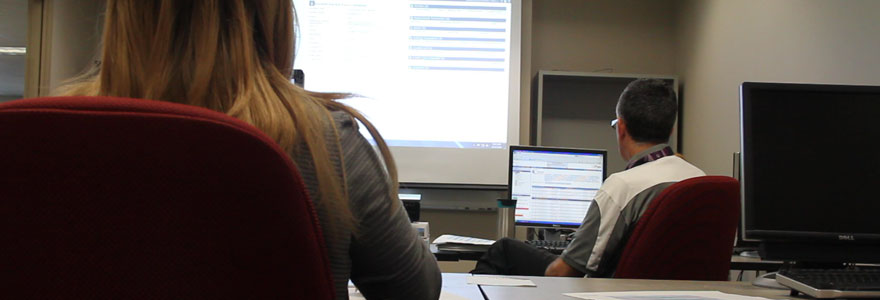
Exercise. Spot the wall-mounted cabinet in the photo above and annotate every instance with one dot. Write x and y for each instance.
(573, 109)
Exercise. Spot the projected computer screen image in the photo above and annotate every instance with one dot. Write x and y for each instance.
(554, 187)
(439, 79)
(428, 73)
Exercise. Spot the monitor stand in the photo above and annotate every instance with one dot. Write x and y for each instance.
(551, 234)
(768, 281)
(547, 234)
(750, 253)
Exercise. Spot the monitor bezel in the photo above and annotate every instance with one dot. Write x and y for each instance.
(513, 148)
(762, 235)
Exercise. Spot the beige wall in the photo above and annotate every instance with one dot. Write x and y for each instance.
(626, 36)
(623, 36)
(713, 45)
(4, 98)
(525, 72)
(723, 43)
(74, 34)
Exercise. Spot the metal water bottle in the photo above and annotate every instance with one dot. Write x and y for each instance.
(506, 209)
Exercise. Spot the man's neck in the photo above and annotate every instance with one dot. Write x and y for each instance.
(646, 153)
(636, 148)
(639, 148)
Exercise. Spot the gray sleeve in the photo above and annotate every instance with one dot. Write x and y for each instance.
(388, 260)
(626, 222)
(596, 248)
(578, 252)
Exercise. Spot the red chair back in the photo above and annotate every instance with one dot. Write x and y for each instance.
(686, 233)
(125, 198)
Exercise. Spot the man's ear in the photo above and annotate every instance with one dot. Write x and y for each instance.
(621, 128)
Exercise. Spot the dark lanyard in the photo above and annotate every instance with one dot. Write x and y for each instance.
(666, 151)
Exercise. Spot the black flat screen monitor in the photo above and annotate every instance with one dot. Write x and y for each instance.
(811, 165)
(554, 187)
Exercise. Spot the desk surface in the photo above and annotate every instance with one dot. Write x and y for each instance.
(737, 262)
(552, 288)
(456, 284)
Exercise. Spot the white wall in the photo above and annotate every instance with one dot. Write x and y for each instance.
(723, 43)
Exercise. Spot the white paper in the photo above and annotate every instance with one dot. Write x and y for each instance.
(353, 294)
(448, 238)
(662, 295)
(450, 296)
(499, 281)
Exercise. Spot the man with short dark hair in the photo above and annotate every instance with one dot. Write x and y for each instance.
(646, 112)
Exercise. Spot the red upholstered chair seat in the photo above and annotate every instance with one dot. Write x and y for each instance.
(686, 233)
(127, 198)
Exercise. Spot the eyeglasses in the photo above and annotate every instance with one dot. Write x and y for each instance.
(614, 123)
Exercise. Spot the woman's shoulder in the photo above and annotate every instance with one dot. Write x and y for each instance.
(343, 120)
(354, 146)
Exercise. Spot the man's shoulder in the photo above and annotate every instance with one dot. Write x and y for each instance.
(669, 166)
(682, 166)
(613, 188)
(667, 169)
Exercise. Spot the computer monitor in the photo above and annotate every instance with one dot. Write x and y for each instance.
(554, 187)
(741, 245)
(811, 171)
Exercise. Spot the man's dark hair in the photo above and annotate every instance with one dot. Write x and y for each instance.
(648, 106)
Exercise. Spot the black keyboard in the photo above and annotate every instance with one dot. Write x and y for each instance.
(832, 283)
(554, 247)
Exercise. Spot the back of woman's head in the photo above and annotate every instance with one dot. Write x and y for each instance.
(226, 55)
(230, 56)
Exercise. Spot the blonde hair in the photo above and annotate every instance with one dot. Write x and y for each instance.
(230, 56)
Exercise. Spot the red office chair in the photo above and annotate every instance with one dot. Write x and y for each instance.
(117, 198)
(686, 233)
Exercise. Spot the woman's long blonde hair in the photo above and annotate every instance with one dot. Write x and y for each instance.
(230, 56)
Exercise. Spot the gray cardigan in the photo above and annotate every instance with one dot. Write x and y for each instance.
(385, 259)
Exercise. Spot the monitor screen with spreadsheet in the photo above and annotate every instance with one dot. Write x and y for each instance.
(554, 187)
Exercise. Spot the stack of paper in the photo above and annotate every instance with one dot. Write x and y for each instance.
(354, 294)
(448, 242)
(499, 281)
(662, 295)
